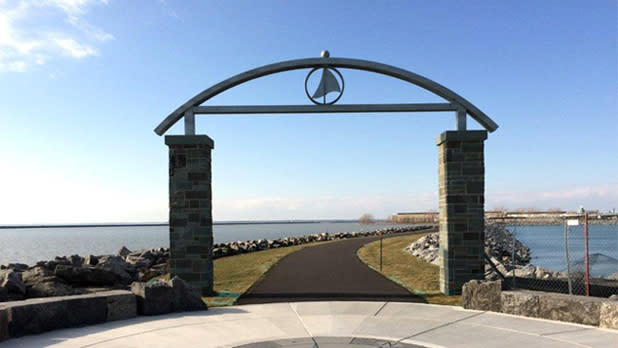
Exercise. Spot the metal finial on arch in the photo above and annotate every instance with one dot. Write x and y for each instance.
(458, 102)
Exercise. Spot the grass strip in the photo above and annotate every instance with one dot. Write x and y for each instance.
(398, 265)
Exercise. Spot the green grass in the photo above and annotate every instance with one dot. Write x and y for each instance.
(416, 275)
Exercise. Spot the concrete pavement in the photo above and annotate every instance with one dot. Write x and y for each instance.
(328, 324)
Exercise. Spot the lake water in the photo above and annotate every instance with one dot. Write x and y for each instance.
(33, 244)
(547, 246)
(29, 245)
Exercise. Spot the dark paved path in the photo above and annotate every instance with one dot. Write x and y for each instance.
(327, 272)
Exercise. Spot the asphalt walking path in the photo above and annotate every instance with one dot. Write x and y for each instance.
(330, 271)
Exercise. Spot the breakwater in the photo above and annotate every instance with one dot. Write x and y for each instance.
(75, 274)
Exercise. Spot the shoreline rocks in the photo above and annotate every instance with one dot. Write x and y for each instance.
(75, 274)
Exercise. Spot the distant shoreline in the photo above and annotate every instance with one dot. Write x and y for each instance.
(154, 224)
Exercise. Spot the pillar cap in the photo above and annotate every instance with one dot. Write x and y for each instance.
(189, 140)
(472, 135)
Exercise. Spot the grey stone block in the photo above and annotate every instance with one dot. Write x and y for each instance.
(574, 309)
(40, 315)
(520, 303)
(44, 314)
(121, 306)
(484, 296)
(608, 316)
(4, 324)
(153, 297)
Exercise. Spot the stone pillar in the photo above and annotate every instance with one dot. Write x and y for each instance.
(190, 194)
(462, 198)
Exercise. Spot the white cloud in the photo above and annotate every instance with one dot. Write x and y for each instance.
(72, 48)
(24, 41)
(602, 197)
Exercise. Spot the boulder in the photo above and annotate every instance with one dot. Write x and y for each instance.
(48, 288)
(17, 267)
(40, 315)
(76, 260)
(126, 273)
(608, 317)
(11, 280)
(4, 324)
(124, 251)
(87, 275)
(186, 297)
(484, 296)
(160, 297)
(520, 303)
(574, 309)
(41, 282)
(120, 305)
(91, 260)
(139, 261)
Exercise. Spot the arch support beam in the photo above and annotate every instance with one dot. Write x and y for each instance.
(345, 63)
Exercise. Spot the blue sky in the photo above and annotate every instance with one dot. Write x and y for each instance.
(83, 83)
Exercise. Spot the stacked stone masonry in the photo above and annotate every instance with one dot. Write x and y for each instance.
(488, 296)
(462, 189)
(191, 237)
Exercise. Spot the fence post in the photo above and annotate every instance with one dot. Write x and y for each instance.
(586, 259)
(566, 255)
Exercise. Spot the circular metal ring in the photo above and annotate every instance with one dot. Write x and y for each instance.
(334, 100)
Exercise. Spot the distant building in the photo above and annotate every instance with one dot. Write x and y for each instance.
(416, 218)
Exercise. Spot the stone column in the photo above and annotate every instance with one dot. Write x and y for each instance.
(462, 199)
(190, 195)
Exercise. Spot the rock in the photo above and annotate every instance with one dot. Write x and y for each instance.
(574, 309)
(519, 303)
(186, 297)
(33, 317)
(49, 288)
(139, 261)
(11, 280)
(41, 282)
(160, 297)
(91, 260)
(76, 260)
(124, 251)
(17, 267)
(118, 266)
(613, 297)
(122, 305)
(4, 324)
(4, 294)
(87, 275)
(483, 296)
(608, 317)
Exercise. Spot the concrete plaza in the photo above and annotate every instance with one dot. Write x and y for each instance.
(328, 324)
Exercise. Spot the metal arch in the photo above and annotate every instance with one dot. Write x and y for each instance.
(346, 63)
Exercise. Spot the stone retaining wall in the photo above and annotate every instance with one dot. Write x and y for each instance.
(593, 311)
(19, 318)
(33, 316)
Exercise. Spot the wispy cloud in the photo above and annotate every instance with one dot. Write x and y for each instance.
(33, 32)
(602, 197)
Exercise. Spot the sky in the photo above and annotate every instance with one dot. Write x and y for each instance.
(83, 83)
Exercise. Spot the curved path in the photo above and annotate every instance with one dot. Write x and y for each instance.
(330, 271)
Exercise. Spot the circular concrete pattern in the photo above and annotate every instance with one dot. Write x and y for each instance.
(329, 342)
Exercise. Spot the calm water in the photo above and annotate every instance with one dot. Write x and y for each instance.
(30, 245)
(547, 245)
(34, 244)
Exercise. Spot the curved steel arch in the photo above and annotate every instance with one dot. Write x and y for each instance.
(347, 63)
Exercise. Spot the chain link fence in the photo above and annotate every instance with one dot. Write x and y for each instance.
(553, 257)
